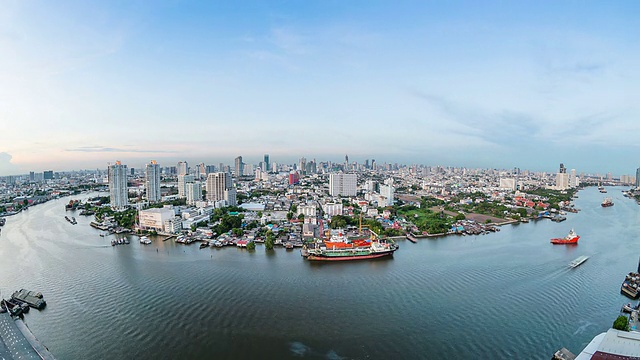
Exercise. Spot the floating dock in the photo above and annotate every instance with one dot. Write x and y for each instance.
(578, 261)
(32, 298)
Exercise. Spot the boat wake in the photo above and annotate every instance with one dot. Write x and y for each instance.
(583, 327)
(299, 349)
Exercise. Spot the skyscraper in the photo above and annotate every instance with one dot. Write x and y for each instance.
(193, 192)
(638, 178)
(183, 168)
(239, 169)
(220, 187)
(183, 180)
(152, 181)
(266, 163)
(118, 193)
(562, 178)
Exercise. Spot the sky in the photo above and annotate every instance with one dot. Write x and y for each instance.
(491, 84)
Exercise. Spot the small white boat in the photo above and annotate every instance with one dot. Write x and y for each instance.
(145, 240)
(578, 261)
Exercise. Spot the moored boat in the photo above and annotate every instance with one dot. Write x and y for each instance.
(571, 238)
(145, 240)
(630, 284)
(375, 250)
(607, 202)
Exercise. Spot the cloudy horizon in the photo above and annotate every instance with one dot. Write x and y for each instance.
(478, 85)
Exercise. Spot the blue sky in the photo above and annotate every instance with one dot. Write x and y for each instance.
(479, 84)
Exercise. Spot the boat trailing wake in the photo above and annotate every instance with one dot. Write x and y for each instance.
(302, 350)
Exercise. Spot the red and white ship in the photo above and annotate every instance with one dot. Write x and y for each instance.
(571, 238)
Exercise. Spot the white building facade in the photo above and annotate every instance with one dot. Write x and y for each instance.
(118, 193)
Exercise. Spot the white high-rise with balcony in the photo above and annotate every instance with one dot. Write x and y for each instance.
(152, 181)
(118, 193)
(183, 180)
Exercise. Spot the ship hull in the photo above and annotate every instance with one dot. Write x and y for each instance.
(563, 242)
(313, 257)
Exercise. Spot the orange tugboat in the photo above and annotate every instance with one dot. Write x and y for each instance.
(571, 238)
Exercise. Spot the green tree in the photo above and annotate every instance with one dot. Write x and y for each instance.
(237, 231)
(460, 216)
(301, 217)
(268, 243)
(621, 323)
(289, 215)
(251, 245)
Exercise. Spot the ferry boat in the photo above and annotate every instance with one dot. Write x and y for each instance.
(607, 202)
(571, 238)
(145, 240)
(578, 261)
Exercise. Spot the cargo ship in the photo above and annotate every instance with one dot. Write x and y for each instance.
(607, 202)
(340, 247)
(571, 238)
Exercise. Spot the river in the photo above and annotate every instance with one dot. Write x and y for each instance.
(503, 295)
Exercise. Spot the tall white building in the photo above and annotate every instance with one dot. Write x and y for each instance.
(387, 192)
(562, 178)
(342, 184)
(239, 169)
(152, 181)
(118, 194)
(220, 187)
(183, 168)
(183, 180)
(193, 192)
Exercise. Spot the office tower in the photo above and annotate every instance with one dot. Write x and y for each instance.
(48, 175)
(183, 180)
(266, 163)
(302, 165)
(183, 168)
(193, 192)
(239, 169)
(118, 194)
(562, 178)
(220, 187)
(638, 178)
(209, 169)
(342, 184)
(152, 181)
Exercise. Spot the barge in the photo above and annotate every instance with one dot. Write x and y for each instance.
(31, 298)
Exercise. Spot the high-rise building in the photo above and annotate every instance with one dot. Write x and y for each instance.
(638, 178)
(48, 175)
(562, 178)
(343, 184)
(266, 163)
(118, 193)
(220, 187)
(239, 169)
(194, 192)
(183, 180)
(294, 178)
(183, 168)
(302, 166)
(152, 181)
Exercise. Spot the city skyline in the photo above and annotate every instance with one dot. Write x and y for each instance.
(491, 85)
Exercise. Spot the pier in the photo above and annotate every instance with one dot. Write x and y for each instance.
(17, 341)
